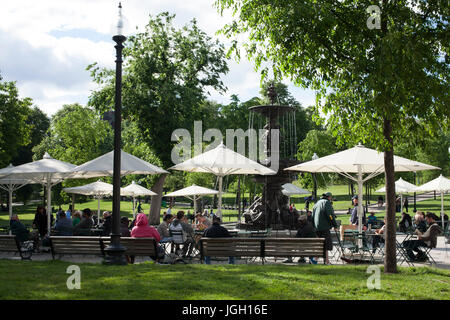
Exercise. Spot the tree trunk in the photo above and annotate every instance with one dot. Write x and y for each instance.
(155, 206)
(390, 262)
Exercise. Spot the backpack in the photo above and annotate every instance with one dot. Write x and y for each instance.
(26, 249)
(178, 238)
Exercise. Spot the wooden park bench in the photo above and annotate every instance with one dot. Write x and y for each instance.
(96, 245)
(61, 245)
(9, 243)
(262, 247)
(143, 247)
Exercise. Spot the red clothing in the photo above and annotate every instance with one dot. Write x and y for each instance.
(143, 230)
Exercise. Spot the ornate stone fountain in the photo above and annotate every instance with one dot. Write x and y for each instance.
(271, 210)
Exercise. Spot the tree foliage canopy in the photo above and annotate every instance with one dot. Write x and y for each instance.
(166, 75)
(399, 72)
(14, 129)
(76, 135)
(374, 84)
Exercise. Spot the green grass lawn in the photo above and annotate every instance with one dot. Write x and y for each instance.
(47, 280)
(429, 205)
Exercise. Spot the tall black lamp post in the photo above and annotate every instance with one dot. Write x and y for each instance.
(115, 251)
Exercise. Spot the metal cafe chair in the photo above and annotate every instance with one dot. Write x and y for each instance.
(178, 240)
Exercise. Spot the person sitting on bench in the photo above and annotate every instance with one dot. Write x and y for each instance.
(428, 239)
(84, 227)
(22, 233)
(217, 231)
(306, 230)
(63, 226)
(143, 230)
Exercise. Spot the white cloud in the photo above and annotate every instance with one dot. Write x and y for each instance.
(47, 44)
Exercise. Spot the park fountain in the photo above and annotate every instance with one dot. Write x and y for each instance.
(271, 210)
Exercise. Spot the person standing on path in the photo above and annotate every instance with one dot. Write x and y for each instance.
(324, 219)
(354, 218)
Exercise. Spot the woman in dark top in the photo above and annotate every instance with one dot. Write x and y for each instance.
(40, 221)
(406, 223)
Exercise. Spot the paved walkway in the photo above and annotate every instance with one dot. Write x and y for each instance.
(440, 255)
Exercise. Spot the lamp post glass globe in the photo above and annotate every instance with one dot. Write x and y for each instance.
(120, 27)
(120, 21)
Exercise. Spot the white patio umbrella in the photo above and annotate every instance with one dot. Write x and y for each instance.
(193, 192)
(10, 185)
(401, 187)
(134, 190)
(47, 172)
(104, 166)
(441, 184)
(359, 160)
(222, 161)
(290, 189)
(96, 189)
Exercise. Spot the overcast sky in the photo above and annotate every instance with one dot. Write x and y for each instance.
(47, 44)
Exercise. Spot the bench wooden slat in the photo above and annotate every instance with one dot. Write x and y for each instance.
(262, 247)
(8, 243)
(96, 245)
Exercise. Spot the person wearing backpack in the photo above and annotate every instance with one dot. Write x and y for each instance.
(324, 219)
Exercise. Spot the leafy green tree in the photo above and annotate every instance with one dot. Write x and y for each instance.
(321, 143)
(212, 117)
(429, 149)
(166, 75)
(134, 144)
(39, 123)
(372, 83)
(14, 129)
(235, 115)
(77, 134)
(206, 180)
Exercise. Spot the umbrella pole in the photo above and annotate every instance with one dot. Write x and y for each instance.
(134, 208)
(10, 205)
(49, 207)
(401, 203)
(360, 203)
(195, 205)
(219, 210)
(442, 209)
(98, 208)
